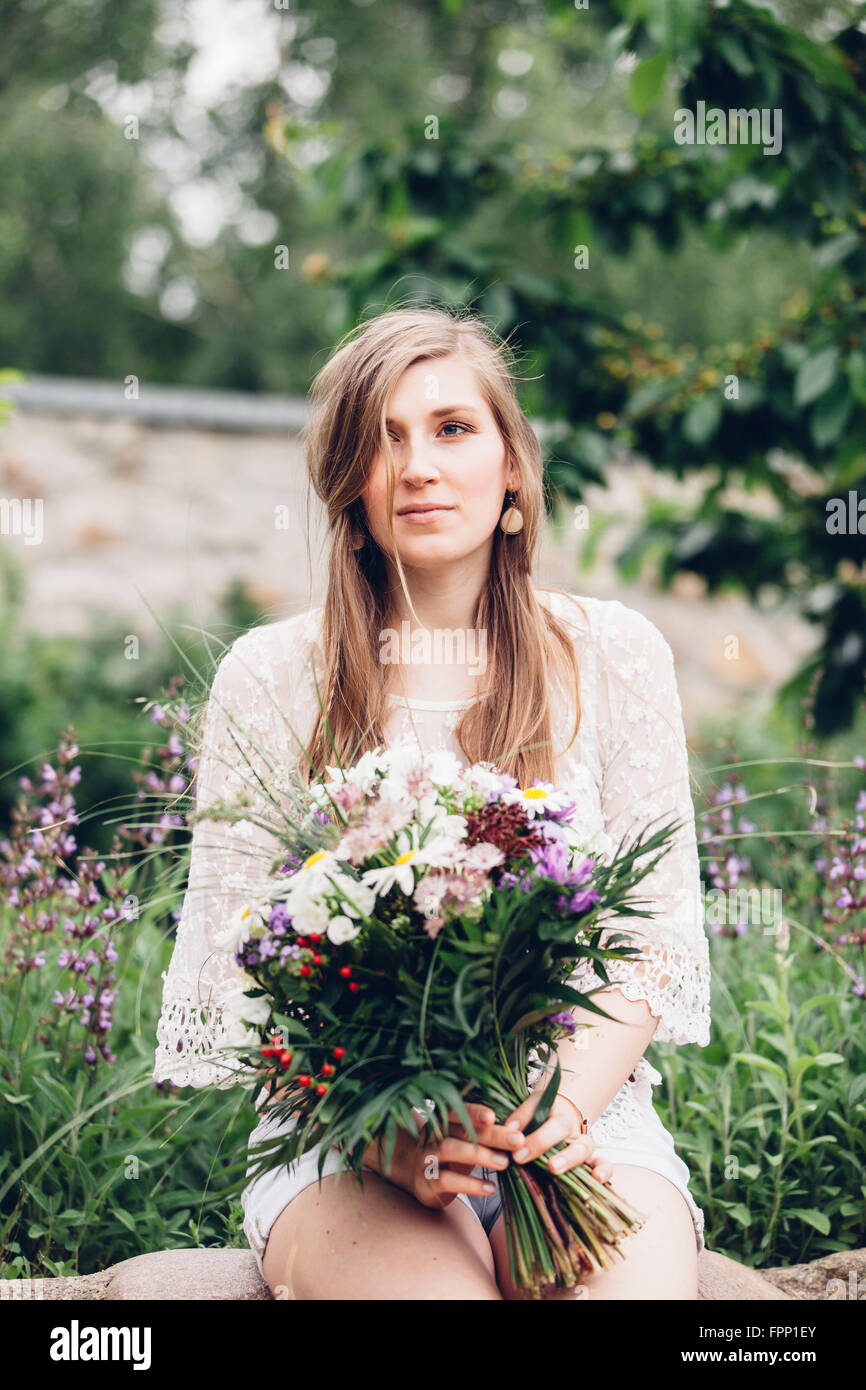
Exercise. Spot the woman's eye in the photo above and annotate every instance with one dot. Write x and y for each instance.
(449, 424)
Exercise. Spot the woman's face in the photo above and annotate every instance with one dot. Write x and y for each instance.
(447, 451)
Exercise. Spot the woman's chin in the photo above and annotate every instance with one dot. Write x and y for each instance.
(431, 557)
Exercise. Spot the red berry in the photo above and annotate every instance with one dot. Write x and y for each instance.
(317, 959)
(321, 1089)
(345, 971)
(302, 941)
(354, 987)
(339, 1053)
(328, 1070)
(303, 1079)
(267, 1052)
(286, 1058)
(315, 936)
(305, 971)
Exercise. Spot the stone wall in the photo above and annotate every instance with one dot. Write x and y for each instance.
(164, 500)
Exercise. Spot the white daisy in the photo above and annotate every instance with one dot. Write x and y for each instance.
(249, 921)
(438, 850)
(539, 800)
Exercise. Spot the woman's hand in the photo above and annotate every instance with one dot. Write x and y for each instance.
(561, 1124)
(444, 1165)
(435, 1170)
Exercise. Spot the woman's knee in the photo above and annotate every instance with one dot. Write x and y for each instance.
(343, 1242)
(658, 1261)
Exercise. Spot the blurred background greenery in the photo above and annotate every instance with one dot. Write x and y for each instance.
(210, 195)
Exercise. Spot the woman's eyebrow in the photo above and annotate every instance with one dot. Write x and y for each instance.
(443, 410)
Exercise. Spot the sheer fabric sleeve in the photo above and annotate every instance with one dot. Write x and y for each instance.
(244, 744)
(645, 778)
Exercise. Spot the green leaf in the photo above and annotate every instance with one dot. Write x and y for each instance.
(857, 375)
(647, 82)
(835, 249)
(815, 1001)
(542, 1110)
(827, 1059)
(734, 54)
(831, 415)
(816, 375)
(818, 1219)
(740, 1214)
(124, 1218)
(753, 1059)
(701, 420)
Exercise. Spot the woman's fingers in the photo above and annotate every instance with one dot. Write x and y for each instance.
(520, 1117)
(556, 1127)
(454, 1180)
(486, 1131)
(575, 1153)
(452, 1149)
(602, 1169)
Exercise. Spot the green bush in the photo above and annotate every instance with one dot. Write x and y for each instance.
(48, 681)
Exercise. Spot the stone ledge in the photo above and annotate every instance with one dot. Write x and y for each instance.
(233, 1276)
(837, 1277)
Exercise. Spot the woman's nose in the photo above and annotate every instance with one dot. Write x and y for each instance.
(415, 461)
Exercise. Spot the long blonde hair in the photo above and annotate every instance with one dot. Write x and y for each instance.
(510, 723)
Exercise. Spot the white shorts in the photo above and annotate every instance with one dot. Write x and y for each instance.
(649, 1145)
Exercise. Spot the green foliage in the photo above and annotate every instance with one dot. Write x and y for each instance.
(48, 679)
(770, 1116)
(600, 378)
(98, 1162)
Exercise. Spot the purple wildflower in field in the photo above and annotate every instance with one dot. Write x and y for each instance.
(164, 787)
(726, 865)
(64, 904)
(842, 879)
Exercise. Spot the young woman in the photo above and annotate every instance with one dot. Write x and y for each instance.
(432, 481)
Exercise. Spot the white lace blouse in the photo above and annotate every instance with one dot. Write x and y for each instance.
(628, 765)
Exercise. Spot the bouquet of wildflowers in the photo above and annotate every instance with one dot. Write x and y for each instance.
(414, 953)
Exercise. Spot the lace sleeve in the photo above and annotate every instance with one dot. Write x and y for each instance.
(646, 776)
(243, 743)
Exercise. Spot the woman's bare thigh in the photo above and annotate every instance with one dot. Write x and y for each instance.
(342, 1242)
(661, 1259)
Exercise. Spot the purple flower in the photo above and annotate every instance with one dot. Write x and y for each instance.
(584, 899)
(279, 920)
(566, 1019)
(551, 862)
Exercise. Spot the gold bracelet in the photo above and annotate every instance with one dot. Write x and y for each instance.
(584, 1127)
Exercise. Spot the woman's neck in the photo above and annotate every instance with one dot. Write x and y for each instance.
(438, 602)
(438, 654)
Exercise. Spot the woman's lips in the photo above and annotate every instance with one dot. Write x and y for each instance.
(418, 518)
